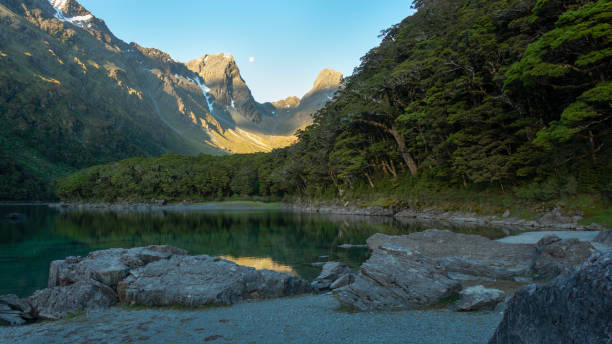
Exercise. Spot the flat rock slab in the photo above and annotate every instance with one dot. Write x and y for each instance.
(465, 255)
(534, 237)
(395, 277)
(204, 280)
(574, 308)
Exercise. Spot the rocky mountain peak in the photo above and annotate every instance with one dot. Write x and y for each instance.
(289, 102)
(327, 78)
(71, 10)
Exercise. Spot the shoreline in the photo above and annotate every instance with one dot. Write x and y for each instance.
(551, 221)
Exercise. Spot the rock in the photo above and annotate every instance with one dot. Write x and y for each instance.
(395, 277)
(107, 266)
(58, 302)
(342, 281)
(556, 256)
(604, 237)
(15, 311)
(329, 274)
(573, 308)
(204, 280)
(555, 217)
(478, 298)
(349, 246)
(465, 256)
(506, 213)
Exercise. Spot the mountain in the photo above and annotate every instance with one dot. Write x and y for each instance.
(73, 95)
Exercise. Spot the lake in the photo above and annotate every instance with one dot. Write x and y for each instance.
(263, 238)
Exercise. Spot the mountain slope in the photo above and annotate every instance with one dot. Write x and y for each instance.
(73, 95)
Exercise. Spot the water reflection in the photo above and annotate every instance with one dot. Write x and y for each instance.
(275, 240)
(261, 263)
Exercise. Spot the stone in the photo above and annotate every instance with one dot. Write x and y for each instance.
(556, 256)
(349, 246)
(573, 308)
(478, 298)
(107, 266)
(604, 237)
(203, 280)
(342, 281)
(506, 213)
(60, 301)
(329, 274)
(11, 318)
(465, 256)
(395, 277)
(15, 311)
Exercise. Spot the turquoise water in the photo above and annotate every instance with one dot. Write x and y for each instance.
(262, 238)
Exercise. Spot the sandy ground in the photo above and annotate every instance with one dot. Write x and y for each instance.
(303, 319)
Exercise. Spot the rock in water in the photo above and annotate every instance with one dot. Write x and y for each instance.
(331, 272)
(574, 308)
(397, 278)
(15, 311)
(107, 266)
(556, 256)
(204, 280)
(478, 298)
(58, 302)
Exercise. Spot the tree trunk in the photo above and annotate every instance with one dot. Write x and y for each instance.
(401, 143)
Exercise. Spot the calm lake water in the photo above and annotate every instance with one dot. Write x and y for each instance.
(262, 238)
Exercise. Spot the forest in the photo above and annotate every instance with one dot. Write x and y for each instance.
(462, 102)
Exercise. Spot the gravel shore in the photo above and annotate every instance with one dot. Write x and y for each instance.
(303, 319)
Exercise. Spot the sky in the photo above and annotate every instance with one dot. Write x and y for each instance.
(279, 46)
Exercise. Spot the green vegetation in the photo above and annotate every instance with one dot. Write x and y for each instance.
(466, 105)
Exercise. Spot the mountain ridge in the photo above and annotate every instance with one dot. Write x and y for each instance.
(72, 95)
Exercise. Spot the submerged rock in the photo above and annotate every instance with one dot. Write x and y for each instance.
(396, 277)
(203, 280)
(574, 308)
(478, 298)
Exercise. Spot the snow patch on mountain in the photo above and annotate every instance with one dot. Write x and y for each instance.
(80, 21)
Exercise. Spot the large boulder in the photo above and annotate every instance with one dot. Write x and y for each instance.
(107, 266)
(330, 273)
(204, 280)
(478, 298)
(395, 277)
(58, 302)
(465, 256)
(574, 308)
(556, 256)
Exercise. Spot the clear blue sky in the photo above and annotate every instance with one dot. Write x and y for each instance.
(289, 40)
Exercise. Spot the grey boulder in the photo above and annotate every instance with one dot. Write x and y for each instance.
(107, 266)
(555, 256)
(203, 280)
(61, 301)
(331, 272)
(574, 308)
(478, 298)
(465, 256)
(396, 277)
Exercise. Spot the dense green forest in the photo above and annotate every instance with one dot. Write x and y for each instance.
(465, 99)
